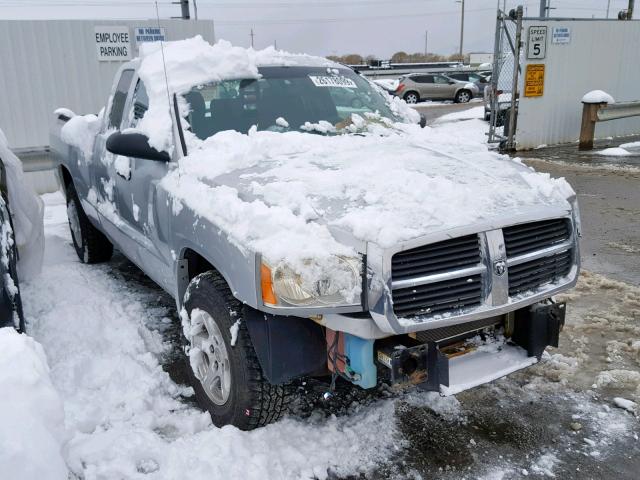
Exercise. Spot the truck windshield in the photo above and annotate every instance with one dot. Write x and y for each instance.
(284, 98)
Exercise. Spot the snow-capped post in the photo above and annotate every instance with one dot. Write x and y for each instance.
(591, 103)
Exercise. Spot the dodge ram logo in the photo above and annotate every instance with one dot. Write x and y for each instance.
(499, 267)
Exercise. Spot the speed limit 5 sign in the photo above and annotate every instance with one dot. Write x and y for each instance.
(537, 42)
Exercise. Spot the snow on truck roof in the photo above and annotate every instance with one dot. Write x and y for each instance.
(184, 64)
(194, 61)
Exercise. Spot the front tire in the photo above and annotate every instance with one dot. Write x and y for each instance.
(463, 96)
(227, 378)
(411, 98)
(90, 243)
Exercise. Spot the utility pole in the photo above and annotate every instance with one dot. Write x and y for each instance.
(251, 35)
(608, 5)
(426, 40)
(628, 13)
(461, 29)
(184, 7)
(544, 8)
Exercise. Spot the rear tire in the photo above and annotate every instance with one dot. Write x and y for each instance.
(10, 301)
(463, 96)
(411, 98)
(90, 243)
(227, 379)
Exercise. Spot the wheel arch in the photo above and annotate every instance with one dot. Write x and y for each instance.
(286, 347)
(192, 261)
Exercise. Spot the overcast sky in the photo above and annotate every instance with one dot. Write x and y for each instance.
(325, 27)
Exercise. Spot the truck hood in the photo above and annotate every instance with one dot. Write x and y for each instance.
(386, 186)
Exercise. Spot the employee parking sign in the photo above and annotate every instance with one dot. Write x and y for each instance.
(112, 43)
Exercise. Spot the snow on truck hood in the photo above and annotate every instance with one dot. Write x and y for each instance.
(283, 193)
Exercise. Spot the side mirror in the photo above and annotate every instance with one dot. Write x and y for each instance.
(451, 82)
(134, 145)
(423, 120)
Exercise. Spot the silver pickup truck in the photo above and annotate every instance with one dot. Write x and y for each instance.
(261, 168)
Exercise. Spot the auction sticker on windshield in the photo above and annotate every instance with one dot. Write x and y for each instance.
(332, 81)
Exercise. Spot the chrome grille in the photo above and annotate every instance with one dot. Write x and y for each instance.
(529, 237)
(437, 278)
(439, 297)
(539, 253)
(536, 273)
(436, 258)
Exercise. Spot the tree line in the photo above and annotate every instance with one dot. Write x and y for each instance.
(399, 57)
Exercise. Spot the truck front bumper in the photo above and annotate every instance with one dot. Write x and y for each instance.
(436, 366)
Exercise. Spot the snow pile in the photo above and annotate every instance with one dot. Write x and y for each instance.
(545, 465)
(387, 83)
(558, 367)
(625, 404)
(31, 414)
(630, 145)
(80, 132)
(613, 152)
(469, 114)
(618, 378)
(27, 211)
(597, 96)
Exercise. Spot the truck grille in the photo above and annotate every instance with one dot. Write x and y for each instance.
(448, 294)
(529, 237)
(436, 258)
(535, 273)
(439, 297)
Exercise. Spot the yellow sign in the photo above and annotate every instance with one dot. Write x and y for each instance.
(534, 80)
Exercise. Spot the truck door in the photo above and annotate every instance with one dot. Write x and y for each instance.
(145, 218)
(102, 194)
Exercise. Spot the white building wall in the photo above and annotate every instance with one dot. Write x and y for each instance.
(601, 55)
(45, 64)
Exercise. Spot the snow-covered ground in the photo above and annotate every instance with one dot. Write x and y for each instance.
(107, 407)
(124, 416)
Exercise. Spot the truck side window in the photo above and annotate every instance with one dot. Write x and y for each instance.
(119, 99)
(140, 103)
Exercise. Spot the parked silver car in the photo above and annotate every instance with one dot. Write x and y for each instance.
(416, 87)
(472, 77)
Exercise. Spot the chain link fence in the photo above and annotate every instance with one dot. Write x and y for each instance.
(502, 93)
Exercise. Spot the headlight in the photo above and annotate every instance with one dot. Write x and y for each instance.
(336, 281)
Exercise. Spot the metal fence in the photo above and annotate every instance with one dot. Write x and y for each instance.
(503, 89)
